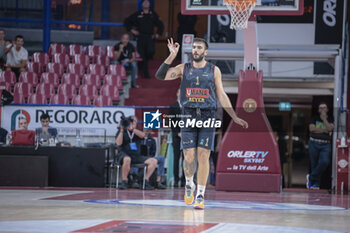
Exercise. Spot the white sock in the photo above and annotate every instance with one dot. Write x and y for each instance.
(189, 181)
(200, 190)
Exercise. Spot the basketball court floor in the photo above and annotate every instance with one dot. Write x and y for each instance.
(110, 210)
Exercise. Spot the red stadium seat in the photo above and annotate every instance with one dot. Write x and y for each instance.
(92, 79)
(113, 80)
(55, 68)
(35, 67)
(110, 51)
(71, 79)
(29, 77)
(81, 59)
(117, 70)
(111, 91)
(42, 58)
(50, 78)
(37, 99)
(96, 69)
(81, 100)
(24, 89)
(59, 99)
(68, 90)
(46, 89)
(95, 50)
(75, 49)
(56, 48)
(88, 90)
(100, 101)
(18, 99)
(61, 58)
(8, 77)
(76, 69)
(102, 60)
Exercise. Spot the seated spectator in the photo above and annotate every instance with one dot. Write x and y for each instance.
(45, 132)
(3, 44)
(150, 144)
(22, 123)
(17, 56)
(128, 139)
(22, 136)
(124, 53)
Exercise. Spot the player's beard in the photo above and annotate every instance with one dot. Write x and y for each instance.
(199, 58)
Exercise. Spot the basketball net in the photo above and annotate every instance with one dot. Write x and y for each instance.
(240, 11)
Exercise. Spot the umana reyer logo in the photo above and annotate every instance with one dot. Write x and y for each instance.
(151, 120)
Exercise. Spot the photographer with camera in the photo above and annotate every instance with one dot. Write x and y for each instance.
(129, 139)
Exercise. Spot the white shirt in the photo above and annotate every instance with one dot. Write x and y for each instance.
(14, 57)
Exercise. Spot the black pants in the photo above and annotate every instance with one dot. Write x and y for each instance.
(177, 156)
(145, 47)
(17, 72)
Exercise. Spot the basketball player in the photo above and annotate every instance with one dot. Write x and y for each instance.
(201, 87)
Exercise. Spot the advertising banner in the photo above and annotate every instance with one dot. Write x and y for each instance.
(329, 21)
(66, 117)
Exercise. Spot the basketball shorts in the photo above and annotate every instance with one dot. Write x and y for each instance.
(203, 136)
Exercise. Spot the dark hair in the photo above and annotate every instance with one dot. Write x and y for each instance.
(322, 103)
(201, 41)
(44, 116)
(19, 36)
(1, 29)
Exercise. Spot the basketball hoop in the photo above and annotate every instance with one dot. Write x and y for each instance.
(240, 11)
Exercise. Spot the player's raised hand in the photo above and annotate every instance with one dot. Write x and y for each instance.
(173, 47)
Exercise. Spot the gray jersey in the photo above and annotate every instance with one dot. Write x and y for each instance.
(197, 88)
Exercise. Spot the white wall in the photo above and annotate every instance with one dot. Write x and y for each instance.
(284, 35)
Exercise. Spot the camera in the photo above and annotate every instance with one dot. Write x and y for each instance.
(6, 97)
(125, 122)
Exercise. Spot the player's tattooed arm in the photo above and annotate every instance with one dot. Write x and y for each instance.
(166, 73)
(175, 72)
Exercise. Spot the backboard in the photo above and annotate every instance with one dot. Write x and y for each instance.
(263, 7)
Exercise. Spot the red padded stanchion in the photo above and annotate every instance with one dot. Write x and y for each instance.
(342, 175)
(249, 158)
